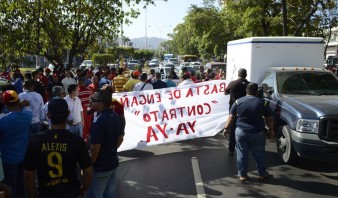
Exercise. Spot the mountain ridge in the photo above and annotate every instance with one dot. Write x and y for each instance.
(152, 42)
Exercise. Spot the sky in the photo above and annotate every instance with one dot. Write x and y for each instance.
(162, 18)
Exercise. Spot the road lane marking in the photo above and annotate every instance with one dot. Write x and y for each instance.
(198, 178)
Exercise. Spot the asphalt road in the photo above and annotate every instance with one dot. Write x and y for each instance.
(202, 168)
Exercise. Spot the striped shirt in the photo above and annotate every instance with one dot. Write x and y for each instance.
(119, 82)
(84, 95)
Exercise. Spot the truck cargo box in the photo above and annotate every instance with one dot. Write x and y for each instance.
(257, 53)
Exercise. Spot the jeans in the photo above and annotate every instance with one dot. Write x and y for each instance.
(103, 185)
(76, 129)
(14, 179)
(255, 142)
(34, 129)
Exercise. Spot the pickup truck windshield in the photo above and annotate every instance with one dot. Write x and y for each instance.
(307, 83)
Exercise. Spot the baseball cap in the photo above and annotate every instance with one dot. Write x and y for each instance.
(136, 73)
(9, 97)
(47, 70)
(55, 76)
(57, 106)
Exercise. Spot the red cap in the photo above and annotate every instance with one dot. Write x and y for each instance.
(47, 70)
(136, 73)
(9, 96)
(55, 76)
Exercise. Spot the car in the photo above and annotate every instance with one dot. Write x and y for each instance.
(214, 65)
(153, 63)
(86, 64)
(183, 64)
(164, 71)
(173, 61)
(195, 65)
(132, 64)
(3, 82)
(189, 68)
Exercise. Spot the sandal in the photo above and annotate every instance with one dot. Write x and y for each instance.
(266, 176)
(243, 179)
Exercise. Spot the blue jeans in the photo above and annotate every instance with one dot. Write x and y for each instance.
(76, 129)
(255, 142)
(103, 185)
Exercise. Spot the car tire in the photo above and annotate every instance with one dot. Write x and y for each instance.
(285, 149)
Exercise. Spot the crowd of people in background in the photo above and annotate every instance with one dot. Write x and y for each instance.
(28, 107)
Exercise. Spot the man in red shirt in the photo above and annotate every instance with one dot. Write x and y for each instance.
(84, 95)
(94, 86)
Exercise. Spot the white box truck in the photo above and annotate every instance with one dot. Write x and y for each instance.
(255, 54)
(302, 95)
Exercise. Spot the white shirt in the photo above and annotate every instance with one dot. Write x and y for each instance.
(68, 81)
(75, 109)
(139, 85)
(186, 82)
(36, 105)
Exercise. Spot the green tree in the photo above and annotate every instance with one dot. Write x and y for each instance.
(50, 28)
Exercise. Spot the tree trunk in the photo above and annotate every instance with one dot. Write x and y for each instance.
(285, 19)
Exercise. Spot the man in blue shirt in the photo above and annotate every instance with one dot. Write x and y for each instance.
(249, 132)
(105, 137)
(159, 84)
(14, 131)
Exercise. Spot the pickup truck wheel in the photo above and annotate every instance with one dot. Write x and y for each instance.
(284, 145)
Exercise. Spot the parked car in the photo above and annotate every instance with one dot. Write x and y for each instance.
(214, 65)
(132, 64)
(86, 64)
(173, 61)
(164, 71)
(153, 63)
(195, 65)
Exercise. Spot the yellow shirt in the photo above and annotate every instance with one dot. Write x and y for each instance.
(129, 86)
(119, 81)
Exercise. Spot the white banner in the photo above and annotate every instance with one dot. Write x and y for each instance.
(173, 114)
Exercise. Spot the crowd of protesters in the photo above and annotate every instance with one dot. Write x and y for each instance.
(38, 107)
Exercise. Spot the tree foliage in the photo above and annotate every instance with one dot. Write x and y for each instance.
(50, 28)
(206, 30)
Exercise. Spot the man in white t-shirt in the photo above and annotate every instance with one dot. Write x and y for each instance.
(143, 85)
(75, 119)
(68, 80)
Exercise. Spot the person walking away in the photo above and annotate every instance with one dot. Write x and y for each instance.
(53, 83)
(159, 84)
(14, 133)
(36, 106)
(170, 82)
(236, 89)
(17, 82)
(94, 86)
(105, 137)
(129, 86)
(250, 127)
(186, 80)
(84, 95)
(53, 155)
(57, 92)
(75, 120)
(143, 85)
(68, 80)
(105, 78)
(119, 80)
